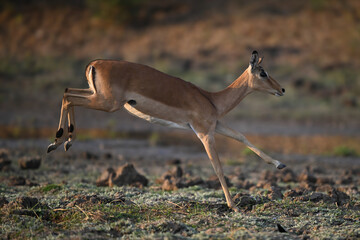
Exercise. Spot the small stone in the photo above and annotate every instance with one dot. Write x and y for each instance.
(89, 155)
(124, 175)
(243, 200)
(169, 185)
(16, 181)
(339, 197)
(214, 182)
(175, 161)
(288, 175)
(275, 193)
(305, 176)
(315, 197)
(291, 193)
(324, 188)
(106, 178)
(29, 162)
(127, 175)
(4, 159)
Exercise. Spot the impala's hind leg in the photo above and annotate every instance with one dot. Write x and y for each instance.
(71, 129)
(61, 133)
(67, 110)
(226, 131)
(71, 116)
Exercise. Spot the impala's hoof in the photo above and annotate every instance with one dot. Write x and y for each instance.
(67, 145)
(51, 147)
(281, 166)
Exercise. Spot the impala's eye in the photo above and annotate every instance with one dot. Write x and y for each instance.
(263, 74)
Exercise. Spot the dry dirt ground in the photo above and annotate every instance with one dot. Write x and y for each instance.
(315, 197)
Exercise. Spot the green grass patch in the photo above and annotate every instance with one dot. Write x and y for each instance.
(344, 151)
(51, 188)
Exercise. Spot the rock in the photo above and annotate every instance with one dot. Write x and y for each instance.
(4, 159)
(307, 177)
(345, 180)
(173, 227)
(308, 186)
(214, 182)
(268, 176)
(175, 179)
(288, 175)
(127, 175)
(189, 182)
(315, 197)
(339, 197)
(275, 193)
(324, 188)
(89, 155)
(106, 178)
(175, 161)
(124, 175)
(175, 172)
(292, 193)
(244, 200)
(246, 184)
(17, 181)
(29, 162)
(322, 181)
(169, 185)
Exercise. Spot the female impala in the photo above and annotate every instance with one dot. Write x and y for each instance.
(160, 98)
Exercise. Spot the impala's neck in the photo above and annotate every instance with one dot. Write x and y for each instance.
(231, 96)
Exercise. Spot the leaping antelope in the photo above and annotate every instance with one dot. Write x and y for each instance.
(159, 98)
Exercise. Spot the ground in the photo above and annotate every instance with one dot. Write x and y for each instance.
(61, 200)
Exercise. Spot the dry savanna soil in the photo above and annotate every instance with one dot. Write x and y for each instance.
(141, 188)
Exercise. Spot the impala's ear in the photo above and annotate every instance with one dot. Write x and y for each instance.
(260, 60)
(254, 60)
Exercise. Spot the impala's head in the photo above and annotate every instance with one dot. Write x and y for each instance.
(260, 80)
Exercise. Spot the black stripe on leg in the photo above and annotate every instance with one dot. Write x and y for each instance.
(59, 133)
(71, 128)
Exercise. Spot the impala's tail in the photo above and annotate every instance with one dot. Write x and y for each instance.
(91, 78)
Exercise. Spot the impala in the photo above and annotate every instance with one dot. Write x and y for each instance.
(166, 100)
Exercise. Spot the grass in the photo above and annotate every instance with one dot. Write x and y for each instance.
(184, 213)
(345, 151)
(51, 188)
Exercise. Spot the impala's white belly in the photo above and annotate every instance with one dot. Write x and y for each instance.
(151, 119)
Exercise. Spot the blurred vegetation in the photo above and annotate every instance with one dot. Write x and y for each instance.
(345, 151)
(47, 44)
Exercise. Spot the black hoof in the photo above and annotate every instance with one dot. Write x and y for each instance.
(51, 147)
(67, 145)
(281, 166)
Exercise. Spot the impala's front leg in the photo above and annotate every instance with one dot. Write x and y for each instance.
(226, 131)
(209, 144)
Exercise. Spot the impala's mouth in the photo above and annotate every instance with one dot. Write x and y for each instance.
(279, 94)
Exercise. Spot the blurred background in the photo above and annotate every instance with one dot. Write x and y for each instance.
(311, 47)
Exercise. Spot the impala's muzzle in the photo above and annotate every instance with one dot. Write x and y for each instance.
(279, 94)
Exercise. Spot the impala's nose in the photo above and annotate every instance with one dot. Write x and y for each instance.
(283, 90)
